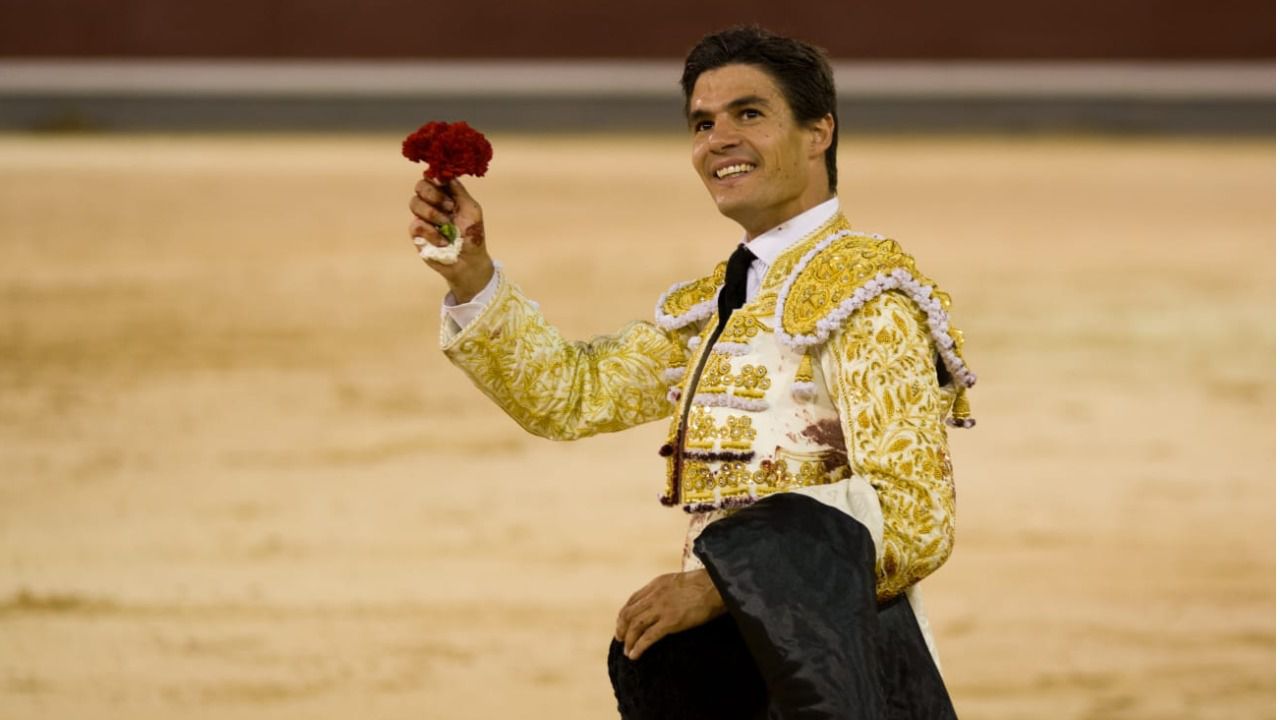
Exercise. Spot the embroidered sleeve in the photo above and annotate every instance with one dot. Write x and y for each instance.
(559, 389)
(879, 367)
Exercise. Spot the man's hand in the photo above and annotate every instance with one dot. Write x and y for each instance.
(434, 204)
(670, 603)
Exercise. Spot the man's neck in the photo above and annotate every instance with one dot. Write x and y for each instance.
(767, 246)
(754, 230)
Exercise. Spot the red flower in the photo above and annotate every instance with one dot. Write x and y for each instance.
(449, 150)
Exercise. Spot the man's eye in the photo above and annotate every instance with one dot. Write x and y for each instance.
(751, 113)
(702, 126)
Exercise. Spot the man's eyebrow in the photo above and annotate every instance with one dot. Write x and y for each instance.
(748, 100)
(734, 104)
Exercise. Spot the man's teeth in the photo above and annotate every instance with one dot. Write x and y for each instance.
(723, 173)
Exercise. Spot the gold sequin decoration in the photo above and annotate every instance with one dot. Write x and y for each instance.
(741, 328)
(719, 378)
(717, 374)
(751, 382)
(776, 475)
(702, 433)
(737, 434)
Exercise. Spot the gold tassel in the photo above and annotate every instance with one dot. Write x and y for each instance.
(675, 358)
(802, 388)
(805, 373)
(960, 411)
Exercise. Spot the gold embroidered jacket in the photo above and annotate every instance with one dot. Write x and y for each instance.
(825, 383)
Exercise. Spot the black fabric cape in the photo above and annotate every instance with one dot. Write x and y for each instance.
(803, 639)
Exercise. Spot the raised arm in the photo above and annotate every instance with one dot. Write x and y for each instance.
(552, 387)
(880, 370)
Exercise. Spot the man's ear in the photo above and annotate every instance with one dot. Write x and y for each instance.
(820, 133)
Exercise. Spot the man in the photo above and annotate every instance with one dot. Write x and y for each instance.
(807, 381)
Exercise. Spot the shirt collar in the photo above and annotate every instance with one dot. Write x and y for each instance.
(768, 246)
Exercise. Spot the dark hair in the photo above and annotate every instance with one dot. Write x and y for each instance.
(801, 71)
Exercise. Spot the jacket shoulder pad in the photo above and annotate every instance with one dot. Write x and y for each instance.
(690, 301)
(845, 271)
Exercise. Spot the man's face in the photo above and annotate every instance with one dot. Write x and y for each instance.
(750, 153)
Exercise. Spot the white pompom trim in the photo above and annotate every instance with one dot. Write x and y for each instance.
(673, 374)
(731, 348)
(732, 401)
(447, 255)
(701, 311)
(897, 279)
(804, 391)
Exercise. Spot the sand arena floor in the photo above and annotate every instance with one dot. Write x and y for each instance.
(238, 480)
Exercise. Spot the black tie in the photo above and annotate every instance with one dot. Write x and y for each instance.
(734, 292)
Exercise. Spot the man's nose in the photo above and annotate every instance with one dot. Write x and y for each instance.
(724, 135)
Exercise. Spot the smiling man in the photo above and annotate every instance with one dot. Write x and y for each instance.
(808, 381)
(760, 164)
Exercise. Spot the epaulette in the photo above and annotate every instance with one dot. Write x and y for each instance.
(689, 302)
(845, 271)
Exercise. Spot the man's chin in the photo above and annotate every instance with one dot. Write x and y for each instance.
(732, 207)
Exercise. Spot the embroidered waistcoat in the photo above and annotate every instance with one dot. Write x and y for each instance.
(753, 413)
(842, 320)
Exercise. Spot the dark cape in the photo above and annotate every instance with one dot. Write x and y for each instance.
(804, 637)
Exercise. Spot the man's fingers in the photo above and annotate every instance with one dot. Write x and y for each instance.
(653, 634)
(637, 603)
(626, 616)
(467, 209)
(635, 630)
(434, 196)
(460, 191)
(419, 230)
(428, 212)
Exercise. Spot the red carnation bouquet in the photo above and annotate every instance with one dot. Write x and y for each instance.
(450, 150)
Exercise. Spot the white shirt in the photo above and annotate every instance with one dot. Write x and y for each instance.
(766, 247)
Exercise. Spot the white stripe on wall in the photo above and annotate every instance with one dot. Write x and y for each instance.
(1155, 80)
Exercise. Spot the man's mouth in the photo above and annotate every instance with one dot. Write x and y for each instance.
(734, 171)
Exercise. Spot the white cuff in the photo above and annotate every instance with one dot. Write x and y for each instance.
(463, 313)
